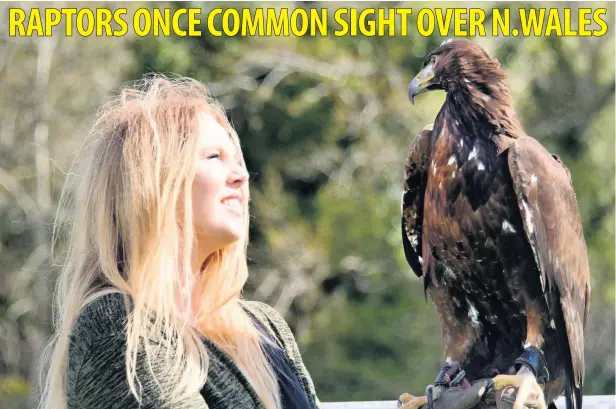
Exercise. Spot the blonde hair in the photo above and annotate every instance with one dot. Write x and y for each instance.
(132, 233)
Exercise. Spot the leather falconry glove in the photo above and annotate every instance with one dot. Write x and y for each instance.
(481, 394)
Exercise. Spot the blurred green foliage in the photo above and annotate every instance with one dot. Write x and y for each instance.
(14, 391)
(325, 125)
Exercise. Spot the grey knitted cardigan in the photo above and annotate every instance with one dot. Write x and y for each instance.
(96, 366)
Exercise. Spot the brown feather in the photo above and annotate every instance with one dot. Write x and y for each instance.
(554, 228)
(415, 177)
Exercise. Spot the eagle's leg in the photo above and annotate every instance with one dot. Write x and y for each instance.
(532, 361)
(532, 373)
(459, 333)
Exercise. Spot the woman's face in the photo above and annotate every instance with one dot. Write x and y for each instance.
(219, 189)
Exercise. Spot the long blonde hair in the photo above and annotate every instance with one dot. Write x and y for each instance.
(132, 233)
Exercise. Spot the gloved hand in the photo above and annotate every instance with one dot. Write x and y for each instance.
(451, 398)
(482, 394)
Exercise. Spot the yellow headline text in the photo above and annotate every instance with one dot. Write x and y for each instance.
(299, 22)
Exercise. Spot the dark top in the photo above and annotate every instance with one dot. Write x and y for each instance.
(292, 394)
(97, 373)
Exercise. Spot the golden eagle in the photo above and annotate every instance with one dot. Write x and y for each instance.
(490, 220)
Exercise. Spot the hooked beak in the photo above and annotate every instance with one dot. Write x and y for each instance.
(421, 82)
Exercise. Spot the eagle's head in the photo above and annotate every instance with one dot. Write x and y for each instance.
(456, 65)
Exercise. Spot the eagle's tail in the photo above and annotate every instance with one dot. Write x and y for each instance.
(573, 392)
(573, 396)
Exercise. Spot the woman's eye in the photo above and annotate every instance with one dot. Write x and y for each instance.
(213, 156)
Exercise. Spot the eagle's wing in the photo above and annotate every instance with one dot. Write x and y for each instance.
(553, 226)
(415, 179)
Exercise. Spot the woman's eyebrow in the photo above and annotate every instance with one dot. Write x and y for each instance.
(209, 147)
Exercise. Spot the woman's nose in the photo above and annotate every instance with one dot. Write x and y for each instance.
(238, 175)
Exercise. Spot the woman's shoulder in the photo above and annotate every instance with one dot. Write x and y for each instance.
(98, 330)
(262, 308)
(105, 316)
(96, 354)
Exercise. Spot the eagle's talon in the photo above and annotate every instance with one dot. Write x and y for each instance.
(429, 396)
(408, 401)
(529, 393)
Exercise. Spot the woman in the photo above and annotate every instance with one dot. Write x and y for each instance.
(148, 308)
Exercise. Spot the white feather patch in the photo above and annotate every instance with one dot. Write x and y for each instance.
(508, 227)
(528, 216)
(413, 240)
(473, 314)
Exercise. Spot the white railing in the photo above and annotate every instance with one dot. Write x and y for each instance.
(590, 402)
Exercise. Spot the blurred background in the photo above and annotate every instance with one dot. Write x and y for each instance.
(326, 125)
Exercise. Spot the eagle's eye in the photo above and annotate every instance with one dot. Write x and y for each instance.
(429, 61)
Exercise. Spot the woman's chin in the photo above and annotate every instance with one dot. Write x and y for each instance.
(234, 237)
(230, 234)
(220, 237)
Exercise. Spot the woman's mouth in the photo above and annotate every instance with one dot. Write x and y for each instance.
(233, 204)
